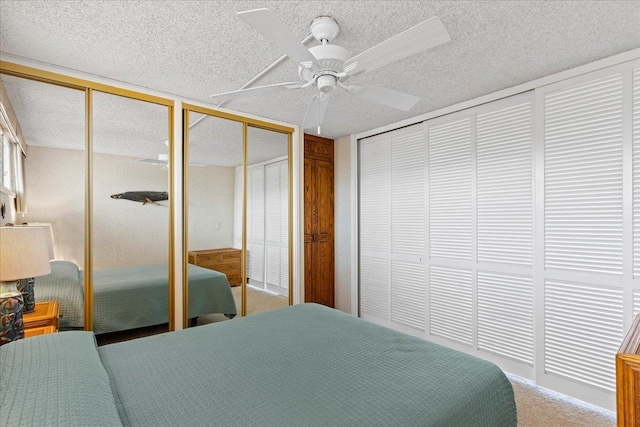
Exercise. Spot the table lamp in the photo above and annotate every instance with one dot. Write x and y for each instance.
(23, 254)
(25, 286)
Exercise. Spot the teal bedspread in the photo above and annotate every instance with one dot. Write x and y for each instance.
(304, 365)
(135, 297)
(55, 380)
(131, 297)
(65, 286)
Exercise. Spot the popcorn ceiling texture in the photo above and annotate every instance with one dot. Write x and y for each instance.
(195, 49)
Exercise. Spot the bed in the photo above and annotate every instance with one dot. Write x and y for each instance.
(303, 365)
(130, 297)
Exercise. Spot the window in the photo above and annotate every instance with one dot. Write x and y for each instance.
(8, 165)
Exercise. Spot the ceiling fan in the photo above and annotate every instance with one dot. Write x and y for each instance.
(327, 66)
(162, 160)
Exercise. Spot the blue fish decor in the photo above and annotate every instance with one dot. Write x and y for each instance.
(143, 196)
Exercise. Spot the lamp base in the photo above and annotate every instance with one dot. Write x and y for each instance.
(25, 287)
(11, 303)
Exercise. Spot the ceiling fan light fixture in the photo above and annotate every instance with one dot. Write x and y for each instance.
(326, 83)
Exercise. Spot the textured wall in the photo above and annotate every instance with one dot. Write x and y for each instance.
(342, 214)
(126, 233)
(54, 182)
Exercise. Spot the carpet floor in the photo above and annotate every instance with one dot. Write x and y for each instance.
(540, 407)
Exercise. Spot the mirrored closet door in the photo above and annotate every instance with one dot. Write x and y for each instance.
(44, 142)
(268, 230)
(131, 211)
(213, 172)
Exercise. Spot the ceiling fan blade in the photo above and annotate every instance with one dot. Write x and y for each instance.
(219, 97)
(315, 111)
(426, 35)
(268, 24)
(382, 95)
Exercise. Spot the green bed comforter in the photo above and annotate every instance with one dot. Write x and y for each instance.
(131, 297)
(304, 365)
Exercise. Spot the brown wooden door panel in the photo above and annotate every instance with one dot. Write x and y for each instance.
(309, 271)
(324, 202)
(318, 221)
(325, 276)
(309, 197)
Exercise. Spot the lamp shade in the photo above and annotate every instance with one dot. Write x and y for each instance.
(24, 253)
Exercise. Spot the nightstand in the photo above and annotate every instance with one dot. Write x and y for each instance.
(44, 320)
(39, 330)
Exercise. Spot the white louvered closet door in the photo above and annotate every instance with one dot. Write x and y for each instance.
(255, 225)
(636, 170)
(530, 224)
(407, 228)
(504, 203)
(583, 230)
(450, 229)
(276, 215)
(375, 233)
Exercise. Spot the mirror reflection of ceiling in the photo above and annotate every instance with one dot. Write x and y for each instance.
(49, 115)
(218, 141)
(53, 116)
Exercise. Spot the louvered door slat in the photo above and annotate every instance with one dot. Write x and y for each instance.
(408, 294)
(375, 194)
(407, 192)
(374, 286)
(583, 330)
(583, 177)
(375, 219)
(504, 185)
(272, 199)
(450, 223)
(636, 171)
(505, 315)
(284, 202)
(636, 302)
(451, 304)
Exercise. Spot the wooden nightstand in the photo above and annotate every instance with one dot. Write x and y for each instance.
(39, 330)
(44, 320)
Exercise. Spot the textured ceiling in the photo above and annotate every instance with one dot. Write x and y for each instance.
(197, 48)
(53, 116)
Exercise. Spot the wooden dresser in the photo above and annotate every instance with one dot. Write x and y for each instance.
(44, 320)
(226, 260)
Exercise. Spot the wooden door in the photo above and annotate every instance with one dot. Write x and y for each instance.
(318, 221)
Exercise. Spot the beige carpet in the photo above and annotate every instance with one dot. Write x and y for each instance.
(539, 407)
(257, 302)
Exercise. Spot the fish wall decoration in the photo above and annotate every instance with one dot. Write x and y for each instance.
(143, 196)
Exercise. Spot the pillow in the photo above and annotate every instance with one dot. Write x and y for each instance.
(55, 379)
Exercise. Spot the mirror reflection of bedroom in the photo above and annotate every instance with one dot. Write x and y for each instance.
(267, 220)
(214, 153)
(130, 216)
(49, 125)
(215, 214)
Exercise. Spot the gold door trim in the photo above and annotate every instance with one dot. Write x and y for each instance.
(88, 207)
(237, 118)
(18, 70)
(88, 86)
